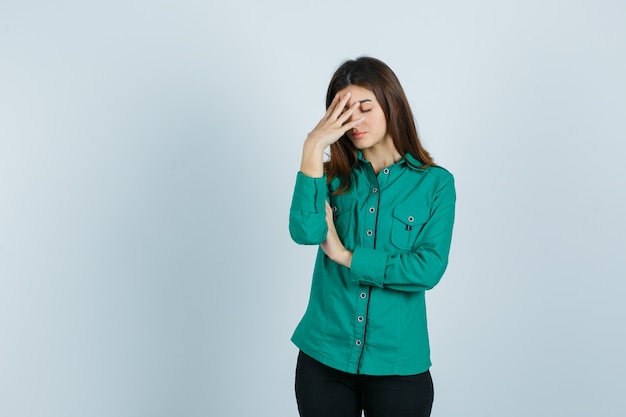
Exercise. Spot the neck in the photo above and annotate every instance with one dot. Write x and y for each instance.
(381, 159)
(382, 155)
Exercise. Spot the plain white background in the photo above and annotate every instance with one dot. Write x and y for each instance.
(148, 151)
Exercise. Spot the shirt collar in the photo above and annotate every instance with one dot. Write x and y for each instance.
(413, 162)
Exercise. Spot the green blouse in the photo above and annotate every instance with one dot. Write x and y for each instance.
(371, 318)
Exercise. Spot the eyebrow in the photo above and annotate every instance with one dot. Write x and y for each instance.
(362, 101)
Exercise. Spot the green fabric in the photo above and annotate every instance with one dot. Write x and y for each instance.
(371, 318)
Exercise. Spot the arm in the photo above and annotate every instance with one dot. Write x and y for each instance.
(306, 215)
(413, 271)
(307, 223)
(422, 268)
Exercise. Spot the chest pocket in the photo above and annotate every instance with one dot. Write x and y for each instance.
(344, 218)
(407, 224)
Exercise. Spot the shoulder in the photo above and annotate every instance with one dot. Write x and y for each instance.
(441, 174)
(442, 180)
(439, 171)
(433, 171)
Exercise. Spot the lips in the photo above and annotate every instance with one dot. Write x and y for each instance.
(358, 135)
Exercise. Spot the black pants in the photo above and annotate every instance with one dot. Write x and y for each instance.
(322, 391)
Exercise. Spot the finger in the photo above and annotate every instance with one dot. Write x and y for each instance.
(331, 107)
(351, 125)
(347, 113)
(333, 104)
(330, 221)
(355, 122)
(329, 210)
(340, 106)
(329, 215)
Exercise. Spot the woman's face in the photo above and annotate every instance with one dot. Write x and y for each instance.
(372, 132)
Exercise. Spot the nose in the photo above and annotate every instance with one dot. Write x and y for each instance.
(356, 114)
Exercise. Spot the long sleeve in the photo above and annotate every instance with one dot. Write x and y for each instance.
(307, 216)
(421, 268)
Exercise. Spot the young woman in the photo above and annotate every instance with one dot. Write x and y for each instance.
(382, 213)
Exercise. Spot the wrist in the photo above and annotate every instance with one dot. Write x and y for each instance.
(346, 258)
(313, 144)
(312, 163)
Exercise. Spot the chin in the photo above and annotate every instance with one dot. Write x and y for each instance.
(359, 144)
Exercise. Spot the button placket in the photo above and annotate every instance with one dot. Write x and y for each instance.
(370, 218)
(360, 316)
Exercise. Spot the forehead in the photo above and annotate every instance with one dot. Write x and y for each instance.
(358, 93)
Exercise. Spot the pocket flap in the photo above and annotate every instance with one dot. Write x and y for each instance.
(411, 216)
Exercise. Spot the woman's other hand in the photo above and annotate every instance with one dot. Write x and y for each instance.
(332, 246)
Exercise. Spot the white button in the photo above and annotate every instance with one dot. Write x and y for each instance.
(386, 170)
(360, 319)
(363, 295)
(411, 218)
(372, 209)
(369, 233)
(334, 208)
(358, 343)
(374, 190)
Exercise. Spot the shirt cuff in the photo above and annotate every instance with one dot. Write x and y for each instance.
(368, 266)
(309, 194)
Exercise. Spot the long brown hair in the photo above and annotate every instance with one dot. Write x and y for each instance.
(376, 76)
